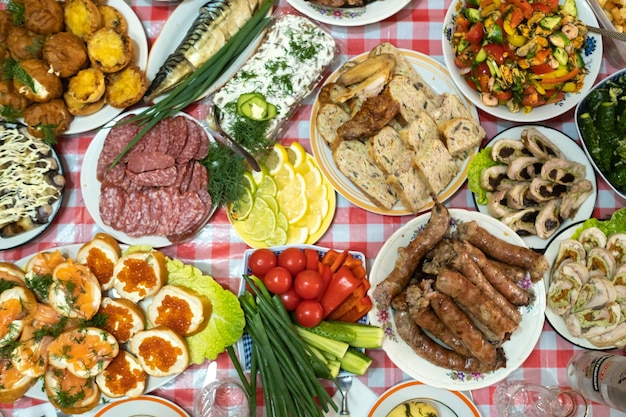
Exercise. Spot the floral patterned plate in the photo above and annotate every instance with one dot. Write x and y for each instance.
(373, 12)
(516, 349)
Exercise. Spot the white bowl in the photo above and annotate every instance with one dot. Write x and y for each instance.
(582, 108)
(592, 56)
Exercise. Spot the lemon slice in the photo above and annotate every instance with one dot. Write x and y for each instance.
(240, 209)
(281, 221)
(296, 154)
(297, 235)
(249, 181)
(271, 202)
(276, 158)
(311, 220)
(261, 221)
(267, 186)
(284, 176)
(292, 199)
(277, 238)
(258, 176)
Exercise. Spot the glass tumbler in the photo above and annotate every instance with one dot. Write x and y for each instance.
(222, 398)
(524, 399)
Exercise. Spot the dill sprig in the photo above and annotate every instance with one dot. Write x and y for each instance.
(17, 10)
(225, 172)
(9, 113)
(12, 70)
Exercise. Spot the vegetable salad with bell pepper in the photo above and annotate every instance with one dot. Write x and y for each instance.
(520, 53)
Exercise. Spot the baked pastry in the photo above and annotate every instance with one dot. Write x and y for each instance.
(123, 377)
(47, 84)
(100, 255)
(69, 393)
(140, 274)
(43, 16)
(11, 272)
(65, 53)
(87, 86)
(124, 318)
(75, 291)
(160, 351)
(125, 87)
(113, 18)
(23, 44)
(109, 50)
(179, 308)
(14, 384)
(51, 117)
(78, 108)
(18, 306)
(82, 18)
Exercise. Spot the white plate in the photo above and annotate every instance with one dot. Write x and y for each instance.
(592, 58)
(439, 80)
(556, 321)
(23, 238)
(144, 406)
(572, 152)
(172, 34)
(37, 391)
(448, 403)
(516, 349)
(373, 12)
(90, 187)
(136, 32)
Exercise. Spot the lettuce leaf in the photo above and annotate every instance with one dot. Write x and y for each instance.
(481, 161)
(616, 224)
(227, 320)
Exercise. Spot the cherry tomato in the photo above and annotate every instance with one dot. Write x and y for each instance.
(278, 280)
(293, 259)
(290, 299)
(261, 261)
(309, 313)
(308, 284)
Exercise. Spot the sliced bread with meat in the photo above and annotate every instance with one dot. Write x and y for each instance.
(451, 107)
(412, 100)
(461, 134)
(391, 154)
(354, 161)
(329, 118)
(422, 128)
(435, 163)
(123, 377)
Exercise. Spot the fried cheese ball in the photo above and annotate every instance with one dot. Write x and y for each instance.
(47, 84)
(52, 114)
(24, 44)
(43, 16)
(9, 97)
(126, 87)
(109, 50)
(113, 18)
(65, 53)
(82, 18)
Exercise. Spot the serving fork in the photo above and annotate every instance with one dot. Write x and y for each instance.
(606, 32)
(344, 382)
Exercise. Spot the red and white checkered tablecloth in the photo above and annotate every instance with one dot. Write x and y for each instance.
(418, 27)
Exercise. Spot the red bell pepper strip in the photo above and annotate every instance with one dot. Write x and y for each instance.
(359, 310)
(341, 286)
(561, 79)
(338, 262)
(347, 304)
(327, 276)
(525, 7)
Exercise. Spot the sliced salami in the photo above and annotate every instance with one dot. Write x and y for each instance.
(177, 128)
(147, 161)
(111, 204)
(192, 145)
(155, 178)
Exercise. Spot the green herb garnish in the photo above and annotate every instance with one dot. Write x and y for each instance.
(17, 10)
(226, 172)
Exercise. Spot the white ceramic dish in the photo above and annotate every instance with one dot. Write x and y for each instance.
(373, 12)
(615, 50)
(23, 238)
(581, 108)
(592, 56)
(136, 32)
(144, 406)
(439, 80)
(516, 349)
(556, 321)
(572, 152)
(37, 391)
(90, 188)
(448, 403)
(171, 35)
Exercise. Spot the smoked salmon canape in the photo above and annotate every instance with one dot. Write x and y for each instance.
(160, 351)
(100, 254)
(30, 357)
(70, 393)
(13, 384)
(12, 273)
(18, 306)
(75, 291)
(181, 309)
(84, 352)
(140, 274)
(124, 318)
(123, 377)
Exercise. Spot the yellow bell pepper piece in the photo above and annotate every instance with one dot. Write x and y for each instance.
(540, 88)
(516, 40)
(569, 87)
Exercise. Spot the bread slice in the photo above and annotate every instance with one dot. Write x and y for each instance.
(181, 309)
(329, 117)
(141, 274)
(461, 134)
(124, 318)
(391, 154)
(160, 351)
(436, 164)
(14, 384)
(422, 128)
(451, 107)
(354, 161)
(123, 377)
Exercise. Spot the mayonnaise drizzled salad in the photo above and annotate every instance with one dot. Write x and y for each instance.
(283, 70)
